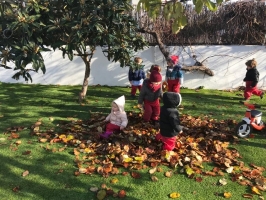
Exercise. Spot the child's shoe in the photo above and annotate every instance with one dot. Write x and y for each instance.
(261, 96)
(105, 135)
(156, 123)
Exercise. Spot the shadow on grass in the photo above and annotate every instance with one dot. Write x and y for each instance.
(51, 176)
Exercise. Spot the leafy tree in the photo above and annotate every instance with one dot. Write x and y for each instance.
(174, 10)
(161, 16)
(75, 27)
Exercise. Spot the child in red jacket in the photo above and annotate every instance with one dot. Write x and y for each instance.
(252, 79)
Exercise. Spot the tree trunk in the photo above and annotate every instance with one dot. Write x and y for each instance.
(87, 61)
(156, 35)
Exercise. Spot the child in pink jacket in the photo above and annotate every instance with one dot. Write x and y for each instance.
(117, 118)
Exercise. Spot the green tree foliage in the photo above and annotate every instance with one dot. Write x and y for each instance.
(76, 27)
(174, 10)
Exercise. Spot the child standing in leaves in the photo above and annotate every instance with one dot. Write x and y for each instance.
(169, 120)
(174, 75)
(117, 118)
(252, 79)
(150, 93)
(136, 76)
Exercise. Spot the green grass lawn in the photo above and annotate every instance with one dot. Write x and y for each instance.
(51, 174)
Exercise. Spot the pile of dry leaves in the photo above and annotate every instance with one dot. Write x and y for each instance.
(135, 148)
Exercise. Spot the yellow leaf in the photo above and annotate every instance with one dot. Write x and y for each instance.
(127, 160)
(114, 180)
(189, 170)
(87, 150)
(138, 158)
(70, 137)
(227, 195)
(174, 195)
(62, 136)
(255, 190)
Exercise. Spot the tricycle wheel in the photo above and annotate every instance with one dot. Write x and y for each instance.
(243, 129)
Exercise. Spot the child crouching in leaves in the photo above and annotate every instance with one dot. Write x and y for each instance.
(169, 120)
(117, 118)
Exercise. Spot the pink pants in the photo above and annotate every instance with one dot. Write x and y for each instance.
(151, 110)
(112, 127)
(251, 90)
(168, 142)
(174, 85)
(134, 89)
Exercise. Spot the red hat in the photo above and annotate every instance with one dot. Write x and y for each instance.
(155, 75)
(174, 59)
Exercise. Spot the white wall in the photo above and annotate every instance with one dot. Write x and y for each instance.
(227, 63)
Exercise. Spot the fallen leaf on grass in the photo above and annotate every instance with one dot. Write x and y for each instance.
(153, 170)
(42, 140)
(135, 175)
(223, 181)
(26, 152)
(14, 136)
(168, 174)
(154, 178)
(174, 195)
(16, 189)
(25, 173)
(121, 193)
(248, 196)
(101, 194)
(255, 190)
(227, 195)
(18, 142)
(114, 181)
(198, 179)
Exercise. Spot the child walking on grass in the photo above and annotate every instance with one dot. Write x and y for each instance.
(117, 118)
(252, 79)
(136, 76)
(169, 120)
(150, 93)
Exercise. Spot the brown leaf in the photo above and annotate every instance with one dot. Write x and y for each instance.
(255, 173)
(25, 173)
(198, 179)
(125, 173)
(135, 175)
(122, 194)
(14, 135)
(248, 196)
(168, 174)
(16, 189)
(26, 152)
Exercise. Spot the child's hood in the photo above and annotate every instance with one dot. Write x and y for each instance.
(171, 99)
(120, 102)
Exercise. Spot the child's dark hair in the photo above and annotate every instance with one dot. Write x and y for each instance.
(157, 67)
(251, 63)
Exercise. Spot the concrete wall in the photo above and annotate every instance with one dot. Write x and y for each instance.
(227, 63)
